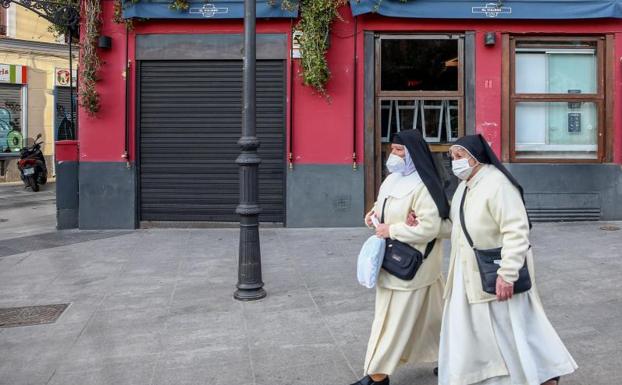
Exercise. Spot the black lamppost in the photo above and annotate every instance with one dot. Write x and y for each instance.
(250, 285)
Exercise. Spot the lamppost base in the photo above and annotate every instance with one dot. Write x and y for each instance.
(249, 294)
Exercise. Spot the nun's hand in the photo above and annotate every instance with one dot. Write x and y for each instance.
(382, 231)
(368, 221)
(504, 290)
(411, 220)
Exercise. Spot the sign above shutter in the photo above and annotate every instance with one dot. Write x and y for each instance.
(206, 9)
(61, 78)
(13, 74)
(509, 9)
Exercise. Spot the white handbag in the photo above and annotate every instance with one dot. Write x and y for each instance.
(370, 261)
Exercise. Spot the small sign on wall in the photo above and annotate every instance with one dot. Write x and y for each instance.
(61, 77)
(13, 74)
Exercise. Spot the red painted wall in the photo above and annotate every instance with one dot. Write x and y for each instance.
(102, 137)
(323, 129)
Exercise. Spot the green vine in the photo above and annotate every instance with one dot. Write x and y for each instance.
(118, 13)
(179, 5)
(316, 19)
(90, 62)
(288, 5)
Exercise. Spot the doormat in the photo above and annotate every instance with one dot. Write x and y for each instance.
(30, 315)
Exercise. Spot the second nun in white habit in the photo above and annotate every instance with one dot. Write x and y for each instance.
(502, 338)
(408, 314)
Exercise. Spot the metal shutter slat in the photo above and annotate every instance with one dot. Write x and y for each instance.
(190, 122)
(62, 105)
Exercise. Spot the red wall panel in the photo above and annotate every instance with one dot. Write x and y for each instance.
(323, 127)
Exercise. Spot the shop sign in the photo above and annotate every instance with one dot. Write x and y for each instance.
(61, 77)
(14, 74)
(209, 10)
(491, 10)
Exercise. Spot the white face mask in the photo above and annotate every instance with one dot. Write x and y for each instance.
(395, 164)
(461, 168)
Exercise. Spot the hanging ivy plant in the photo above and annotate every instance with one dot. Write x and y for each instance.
(118, 13)
(90, 62)
(316, 19)
(179, 5)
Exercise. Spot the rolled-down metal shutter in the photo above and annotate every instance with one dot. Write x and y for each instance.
(10, 112)
(62, 107)
(190, 122)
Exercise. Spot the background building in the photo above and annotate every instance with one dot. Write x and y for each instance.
(541, 82)
(34, 92)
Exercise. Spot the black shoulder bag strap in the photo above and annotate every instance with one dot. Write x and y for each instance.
(466, 233)
(430, 245)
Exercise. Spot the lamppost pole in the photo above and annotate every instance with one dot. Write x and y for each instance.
(250, 284)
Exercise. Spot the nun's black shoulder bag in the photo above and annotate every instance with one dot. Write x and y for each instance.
(401, 259)
(488, 262)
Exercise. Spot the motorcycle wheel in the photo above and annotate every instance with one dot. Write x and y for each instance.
(32, 182)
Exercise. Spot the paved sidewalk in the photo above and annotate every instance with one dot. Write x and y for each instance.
(155, 307)
(24, 212)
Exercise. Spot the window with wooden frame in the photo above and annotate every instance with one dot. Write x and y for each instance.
(557, 99)
(419, 85)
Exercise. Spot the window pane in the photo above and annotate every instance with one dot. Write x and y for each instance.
(419, 65)
(556, 70)
(556, 130)
(438, 120)
(531, 73)
(569, 73)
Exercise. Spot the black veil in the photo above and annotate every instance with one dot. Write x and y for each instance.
(424, 163)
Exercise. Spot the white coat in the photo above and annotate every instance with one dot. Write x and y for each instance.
(407, 319)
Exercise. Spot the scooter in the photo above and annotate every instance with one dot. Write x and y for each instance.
(31, 165)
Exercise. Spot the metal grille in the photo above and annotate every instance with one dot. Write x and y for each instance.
(190, 122)
(30, 315)
(564, 215)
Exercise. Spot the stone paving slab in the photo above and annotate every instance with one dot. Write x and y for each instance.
(155, 307)
(24, 212)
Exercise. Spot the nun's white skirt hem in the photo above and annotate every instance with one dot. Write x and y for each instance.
(406, 328)
(499, 343)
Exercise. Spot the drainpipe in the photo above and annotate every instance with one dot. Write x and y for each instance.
(355, 110)
(126, 75)
(290, 155)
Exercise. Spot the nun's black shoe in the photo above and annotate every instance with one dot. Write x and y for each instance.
(368, 381)
(556, 379)
(435, 371)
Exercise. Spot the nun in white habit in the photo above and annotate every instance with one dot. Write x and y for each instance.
(502, 338)
(407, 317)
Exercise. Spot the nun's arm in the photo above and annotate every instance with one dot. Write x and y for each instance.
(507, 207)
(429, 221)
